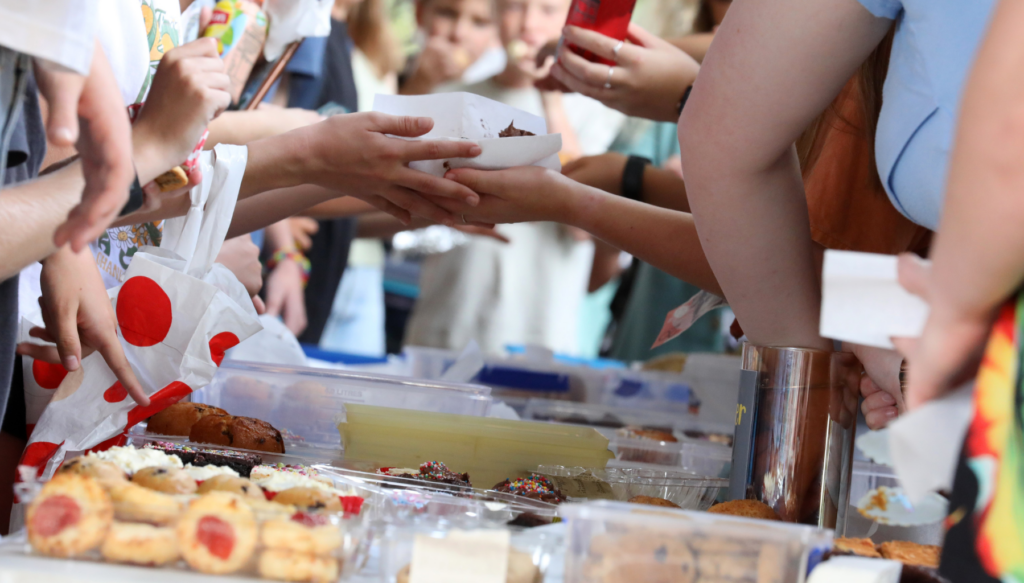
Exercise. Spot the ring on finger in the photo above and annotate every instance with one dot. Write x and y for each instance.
(615, 51)
(608, 82)
(464, 220)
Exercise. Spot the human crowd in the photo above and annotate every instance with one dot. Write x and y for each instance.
(727, 159)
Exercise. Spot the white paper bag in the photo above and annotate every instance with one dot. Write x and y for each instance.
(177, 313)
(465, 116)
(292, 20)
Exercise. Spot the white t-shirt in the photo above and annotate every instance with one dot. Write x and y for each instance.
(62, 32)
(529, 291)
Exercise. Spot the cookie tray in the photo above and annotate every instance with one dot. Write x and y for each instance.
(614, 542)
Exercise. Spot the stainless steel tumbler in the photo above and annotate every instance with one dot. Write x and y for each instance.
(795, 425)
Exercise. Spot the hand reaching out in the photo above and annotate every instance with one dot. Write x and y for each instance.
(303, 229)
(285, 295)
(79, 318)
(242, 257)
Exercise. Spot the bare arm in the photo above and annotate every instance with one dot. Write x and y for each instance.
(558, 123)
(695, 45)
(774, 66)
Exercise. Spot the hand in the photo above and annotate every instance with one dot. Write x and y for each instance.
(356, 155)
(880, 386)
(515, 195)
(79, 315)
(242, 257)
(190, 88)
(482, 231)
(648, 80)
(603, 171)
(950, 348)
(537, 64)
(285, 295)
(303, 229)
(104, 143)
(441, 61)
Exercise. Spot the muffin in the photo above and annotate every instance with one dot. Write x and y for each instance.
(240, 432)
(745, 508)
(179, 418)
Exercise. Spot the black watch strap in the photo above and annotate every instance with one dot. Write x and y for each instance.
(682, 101)
(633, 178)
(135, 198)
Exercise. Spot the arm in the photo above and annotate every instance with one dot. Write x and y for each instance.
(662, 188)
(606, 265)
(978, 255)
(695, 45)
(242, 127)
(773, 67)
(558, 123)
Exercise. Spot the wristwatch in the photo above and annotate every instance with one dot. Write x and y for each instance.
(135, 198)
(682, 100)
(633, 178)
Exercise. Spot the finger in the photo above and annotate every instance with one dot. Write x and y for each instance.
(593, 74)
(879, 400)
(39, 352)
(205, 16)
(302, 240)
(480, 181)
(257, 302)
(595, 42)
(880, 418)
(201, 47)
(638, 35)
(418, 206)
(575, 85)
(41, 334)
(391, 208)
(425, 183)
(868, 387)
(62, 92)
(275, 300)
(405, 126)
(912, 272)
(439, 150)
(113, 353)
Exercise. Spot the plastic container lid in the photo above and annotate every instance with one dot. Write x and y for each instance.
(687, 490)
(703, 458)
(307, 403)
(618, 542)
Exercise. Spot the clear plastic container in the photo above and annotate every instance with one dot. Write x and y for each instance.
(216, 533)
(306, 404)
(613, 542)
(703, 458)
(490, 450)
(687, 490)
(297, 452)
(531, 547)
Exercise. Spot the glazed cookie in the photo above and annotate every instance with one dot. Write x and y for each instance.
(286, 565)
(310, 499)
(302, 533)
(233, 484)
(71, 515)
(133, 503)
(108, 474)
(217, 534)
(179, 418)
(166, 480)
(140, 544)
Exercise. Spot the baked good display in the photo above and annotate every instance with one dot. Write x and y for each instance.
(652, 501)
(310, 499)
(513, 132)
(536, 487)
(239, 461)
(285, 565)
(430, 471)
(249, 396)
(281, 477)
(179, 418)
(234, 484)
(529, 520)
(635, 432)
(302, 533)
(166, 480)
(862, 547)
(647, 445)
(217, 534)
(134, 503)
(131, 459)
(520, 570)
(723, 438)
(140, 544)
(745, 508)
(267, 510)
(106, 473)
(71, 515)
(240, 432)
(203, 473)
(910, 553)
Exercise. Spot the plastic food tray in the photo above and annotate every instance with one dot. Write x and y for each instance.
(684, 426)
(685, 489)
(307, 403)
(613, 542)
(297, 452)
(397, 547)
(272, 542)
(703, 458)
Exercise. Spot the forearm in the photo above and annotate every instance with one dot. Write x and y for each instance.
(278, 236)
(263, 209)
(664, 188)
(979, 249)
(335, 208)
(558, 123)
(605, 266)
(666, 239)
(31, 212)
(695, 45)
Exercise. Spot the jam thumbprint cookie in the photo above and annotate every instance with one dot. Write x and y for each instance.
(140, 544)
(217, 534)
(70, 516)
(299, 567)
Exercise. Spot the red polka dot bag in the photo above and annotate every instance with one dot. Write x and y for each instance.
(177, 312)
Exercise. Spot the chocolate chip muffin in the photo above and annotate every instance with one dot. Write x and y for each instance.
(241, 432)
(179, 418)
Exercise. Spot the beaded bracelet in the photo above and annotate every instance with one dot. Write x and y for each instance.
(295, 256)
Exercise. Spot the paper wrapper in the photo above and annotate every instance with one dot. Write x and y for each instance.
(862, 301)
(177, 312)
(464, 116)
(891, 506)
(293, 20)
(680, 319)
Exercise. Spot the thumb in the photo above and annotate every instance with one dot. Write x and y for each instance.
(62, 93)
(913, 273)
(205, 16)
(405, 126)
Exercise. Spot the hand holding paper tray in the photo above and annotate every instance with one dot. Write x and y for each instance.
(464, 116)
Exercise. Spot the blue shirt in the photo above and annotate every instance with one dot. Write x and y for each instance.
(932, 53)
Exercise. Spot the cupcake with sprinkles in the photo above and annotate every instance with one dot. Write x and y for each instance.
(536, 487)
